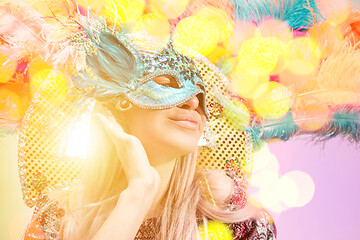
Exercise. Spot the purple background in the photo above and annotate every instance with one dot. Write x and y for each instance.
(334, 210)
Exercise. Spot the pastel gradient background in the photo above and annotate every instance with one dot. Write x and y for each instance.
(334, 211)
(332, 214)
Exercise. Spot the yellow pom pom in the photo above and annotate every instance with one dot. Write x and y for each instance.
(272, 100)
(260, 55)
(50, 84)
(156, 29)
(304, 55)
(7, 68)
(125, 11)
(245, 83)
(197, 33)
(221, 18)
(216, 231)
(169, 8)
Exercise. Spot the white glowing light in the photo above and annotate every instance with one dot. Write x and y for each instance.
(264, 179)
(261, 158)
(295, 189)
(273, 164)
(269, 200)
(77, 137)
(265, 160)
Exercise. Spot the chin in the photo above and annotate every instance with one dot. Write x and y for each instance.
(184, 144)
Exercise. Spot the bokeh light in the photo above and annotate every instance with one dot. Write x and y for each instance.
(260, 55)
(296, 189)
(37, 64)
(169, 8)
(275, 192)
(304, 55)
(191, 32)
(311, 114)
(273, 101)
(261, 158)
(246, 83)
(221, 17)
(11, 107)
(51, 84)
(124, 11)
(152, 30)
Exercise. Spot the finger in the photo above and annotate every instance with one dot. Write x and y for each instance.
(109, 122)
(115, 131)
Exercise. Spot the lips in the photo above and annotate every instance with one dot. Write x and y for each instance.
(187, 121)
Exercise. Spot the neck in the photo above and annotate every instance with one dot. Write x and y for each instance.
(165, 169)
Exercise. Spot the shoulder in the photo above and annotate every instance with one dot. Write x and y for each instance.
(226, 189)
(229, 192)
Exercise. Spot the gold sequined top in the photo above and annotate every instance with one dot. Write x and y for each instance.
(252, 229)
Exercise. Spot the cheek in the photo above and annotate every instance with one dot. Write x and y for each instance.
(146, 127)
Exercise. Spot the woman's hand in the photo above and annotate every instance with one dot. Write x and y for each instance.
(143, 183)
(131, 154)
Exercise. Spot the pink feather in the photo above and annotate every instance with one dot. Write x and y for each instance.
(21, 27)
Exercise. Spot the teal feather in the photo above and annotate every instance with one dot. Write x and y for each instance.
(345, 123)
(112, 61)
(283, 128)
(296, 13)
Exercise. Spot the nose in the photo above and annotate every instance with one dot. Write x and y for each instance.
(191, 104)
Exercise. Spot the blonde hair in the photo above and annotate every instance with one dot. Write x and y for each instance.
(94, 198)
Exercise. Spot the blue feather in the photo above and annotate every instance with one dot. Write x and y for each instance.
(296, 13)
(112, 61)
(283, 129)
(345, 123)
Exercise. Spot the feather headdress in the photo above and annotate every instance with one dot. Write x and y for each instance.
(291, 63)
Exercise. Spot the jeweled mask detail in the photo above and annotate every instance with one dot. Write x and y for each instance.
(116, 69)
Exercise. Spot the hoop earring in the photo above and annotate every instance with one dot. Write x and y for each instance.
(123, 105)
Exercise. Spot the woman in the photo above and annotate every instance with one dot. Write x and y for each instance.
(141, 180)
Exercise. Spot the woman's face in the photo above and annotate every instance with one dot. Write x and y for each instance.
(173, 131)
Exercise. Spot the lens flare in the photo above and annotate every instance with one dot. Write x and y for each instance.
(76, 141)
(296, 189)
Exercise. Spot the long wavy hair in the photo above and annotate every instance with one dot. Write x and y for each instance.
(94, 198)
